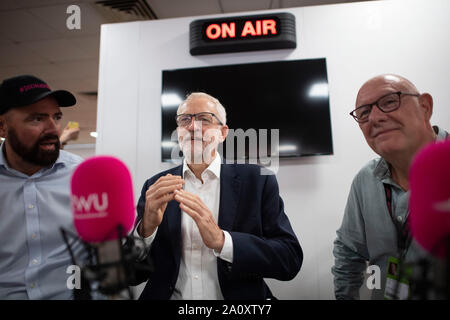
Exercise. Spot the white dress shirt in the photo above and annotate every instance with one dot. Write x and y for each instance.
(197, 277)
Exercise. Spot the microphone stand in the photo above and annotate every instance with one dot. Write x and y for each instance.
(420, 287)
(434, 279)
(113, 274)
(84, 293)
(442, 271)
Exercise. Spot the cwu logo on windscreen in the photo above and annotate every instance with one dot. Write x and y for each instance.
(91, 206)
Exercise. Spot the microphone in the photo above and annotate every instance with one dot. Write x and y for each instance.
(430, 197)
(429, 206)
(102, 199)
(103, 213)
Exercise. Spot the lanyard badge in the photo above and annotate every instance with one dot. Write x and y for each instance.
(397, 280)
(398, 274)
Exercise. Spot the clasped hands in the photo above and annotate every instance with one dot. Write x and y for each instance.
(168, 188)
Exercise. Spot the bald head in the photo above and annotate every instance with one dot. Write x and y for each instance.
(399, 133)
(383, 84)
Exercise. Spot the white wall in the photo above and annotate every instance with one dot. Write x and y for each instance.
(359, 40)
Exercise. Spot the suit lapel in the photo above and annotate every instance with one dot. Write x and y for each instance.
(230, 188)
(173, 212)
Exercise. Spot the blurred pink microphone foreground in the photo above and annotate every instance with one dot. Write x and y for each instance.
(430, 198)
(102, 199)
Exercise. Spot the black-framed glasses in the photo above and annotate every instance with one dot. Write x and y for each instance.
(206, 118)
(387, 103)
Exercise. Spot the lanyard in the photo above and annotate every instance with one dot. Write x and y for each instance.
(403, 234)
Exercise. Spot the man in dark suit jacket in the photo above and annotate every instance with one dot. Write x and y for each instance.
(194, 257)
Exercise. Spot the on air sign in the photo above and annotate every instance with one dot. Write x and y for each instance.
(246, 29)
(262, 32)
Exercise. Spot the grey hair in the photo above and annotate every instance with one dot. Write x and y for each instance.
(222, 114)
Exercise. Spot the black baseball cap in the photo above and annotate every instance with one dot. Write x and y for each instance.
(24, 90)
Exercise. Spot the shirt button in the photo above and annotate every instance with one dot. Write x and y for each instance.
(30, 206)
(196, 277)
(35, 261)
(399, 219)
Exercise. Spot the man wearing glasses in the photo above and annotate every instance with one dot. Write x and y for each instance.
(214, 231)
(395, 120)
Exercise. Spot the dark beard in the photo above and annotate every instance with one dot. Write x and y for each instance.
(34, 155)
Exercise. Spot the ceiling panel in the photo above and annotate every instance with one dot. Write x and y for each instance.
(23, 26)
(247, 5)
(76, 69)
(57, 50)
(23, 4)
(17, 54)
(42, 70)
(90, 45)
(305, 3)
(56, 17)
(182, 8)
(4, 40)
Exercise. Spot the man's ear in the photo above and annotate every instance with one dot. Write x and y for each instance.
(3, 126)
(426, 103)
(224, 131)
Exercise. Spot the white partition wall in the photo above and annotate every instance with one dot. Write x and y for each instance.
(358, 40)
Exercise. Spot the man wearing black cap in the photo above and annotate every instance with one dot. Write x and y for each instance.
(34, 192)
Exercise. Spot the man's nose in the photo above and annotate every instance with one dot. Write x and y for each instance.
(52, 126)
(195, 125)
(376, 114)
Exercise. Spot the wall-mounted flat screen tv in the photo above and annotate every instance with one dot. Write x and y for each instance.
(284, 102)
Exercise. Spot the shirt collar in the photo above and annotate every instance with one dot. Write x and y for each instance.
(214, 166)
(441, 134)
(3, 162)
(382, 170)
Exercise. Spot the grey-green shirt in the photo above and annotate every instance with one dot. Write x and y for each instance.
(367, 233)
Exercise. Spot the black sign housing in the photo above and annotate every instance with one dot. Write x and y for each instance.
(244, 33)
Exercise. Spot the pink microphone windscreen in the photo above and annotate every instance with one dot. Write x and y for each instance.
(102, 199)
(430, 197)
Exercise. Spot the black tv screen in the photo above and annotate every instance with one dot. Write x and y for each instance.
(289, 97)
